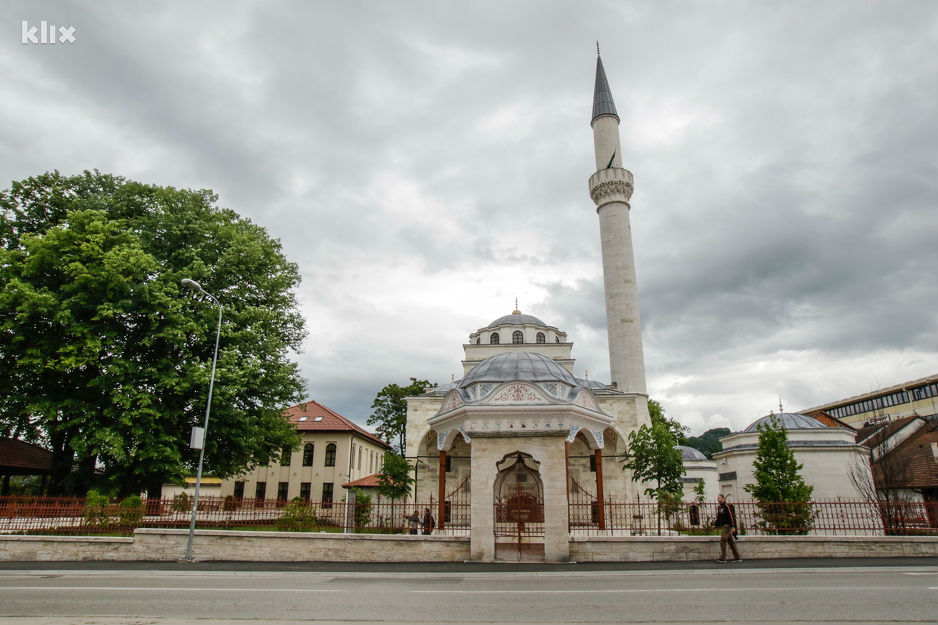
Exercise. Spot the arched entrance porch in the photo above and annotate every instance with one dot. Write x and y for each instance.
(519, 509)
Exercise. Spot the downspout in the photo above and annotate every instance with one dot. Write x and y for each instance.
(348, 491)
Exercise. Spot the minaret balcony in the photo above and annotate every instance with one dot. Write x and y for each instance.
(613, 184)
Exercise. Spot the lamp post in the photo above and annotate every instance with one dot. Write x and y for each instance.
(195, 286)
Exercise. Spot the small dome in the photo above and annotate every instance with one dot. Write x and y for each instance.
(789, 421)
(518, 366)
(516, 318)
(689, 453)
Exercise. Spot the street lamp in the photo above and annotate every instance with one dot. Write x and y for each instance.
(195, 286)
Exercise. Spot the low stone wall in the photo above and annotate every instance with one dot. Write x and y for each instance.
(670, 548)
(170, 545)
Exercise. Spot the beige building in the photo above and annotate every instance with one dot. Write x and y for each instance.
(826, 453)
(913, 398)
(520, 436)
(333, 451)
(698, 468)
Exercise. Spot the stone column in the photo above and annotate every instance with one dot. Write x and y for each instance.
(599, 488)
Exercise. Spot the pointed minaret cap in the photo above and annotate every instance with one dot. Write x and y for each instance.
(602, 95)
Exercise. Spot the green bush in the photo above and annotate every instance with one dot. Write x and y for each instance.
(95, 512)
(298, 516)
(181, 503)
(130, 511)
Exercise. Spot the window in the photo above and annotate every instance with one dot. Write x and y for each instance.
(541, 338)
(301, 419)
(282, 490)
(359, 458)
(285, 457)
(308, 455)
(260, 492)
(593, 463)
(517, 337)
(556, 339)
(330, 455)
(327, 495)
(449, 464)
(239, 490)
(478, 340)
(305, 488)
(493, 340)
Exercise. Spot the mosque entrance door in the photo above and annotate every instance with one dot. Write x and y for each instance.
(519, 509)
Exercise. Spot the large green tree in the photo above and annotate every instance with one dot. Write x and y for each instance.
(783, 497)
(708, 443)
(390, 411)
(653, 456)
(656, 412)
(106, 359)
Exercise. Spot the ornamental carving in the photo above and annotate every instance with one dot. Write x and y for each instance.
(585, 400)
(573, 432)
(440, 439)
(464, 435)
(598, 435)
(552, 388)
(452, 402)
(517, 393)
(609, 188)
(484, 389)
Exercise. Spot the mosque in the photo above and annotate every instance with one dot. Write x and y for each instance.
(519, 436)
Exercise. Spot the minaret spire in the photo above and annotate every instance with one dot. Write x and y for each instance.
(611, 189)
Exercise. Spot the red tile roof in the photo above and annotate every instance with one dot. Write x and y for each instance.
(24, 457)
(829, 421)
(912, 464)
(370, 481)
(311, 416)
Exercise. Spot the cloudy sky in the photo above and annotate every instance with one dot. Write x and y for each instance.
(424, 163)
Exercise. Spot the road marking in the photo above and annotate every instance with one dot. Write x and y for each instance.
(660, 590)
(170, 588)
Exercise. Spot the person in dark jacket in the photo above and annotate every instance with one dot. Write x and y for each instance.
(726, 522)
(428, 522)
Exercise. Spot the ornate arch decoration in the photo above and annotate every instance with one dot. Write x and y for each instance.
(452, 401)
(446, 440)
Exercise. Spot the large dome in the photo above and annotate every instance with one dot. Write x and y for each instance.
(516, 319)
(789, 421)
(518, 366)
(689, 453)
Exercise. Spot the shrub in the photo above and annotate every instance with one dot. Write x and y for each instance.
(95, 512)
(130, 511)
(181, 503)
(298, 516)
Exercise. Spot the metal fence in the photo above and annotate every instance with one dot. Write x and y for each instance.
(76, 516)
(820, 518)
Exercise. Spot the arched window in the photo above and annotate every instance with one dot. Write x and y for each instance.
(493, 340)
(478, 340)
(308, 455)
(517, 337)
(556, 339)
(330, 455)
(541, 338)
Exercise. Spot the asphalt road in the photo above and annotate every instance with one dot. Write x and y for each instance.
(777, 592)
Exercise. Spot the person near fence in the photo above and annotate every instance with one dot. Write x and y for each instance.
(428, 522)
(413, 521)
(726, 522)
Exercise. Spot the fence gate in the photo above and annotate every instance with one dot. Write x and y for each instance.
(519, 510)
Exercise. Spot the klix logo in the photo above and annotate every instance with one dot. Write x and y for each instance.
(47, 33)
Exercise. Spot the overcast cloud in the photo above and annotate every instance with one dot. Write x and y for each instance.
(424, 163)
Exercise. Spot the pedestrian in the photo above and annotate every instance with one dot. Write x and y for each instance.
(428, 522)
(413, 521)
(726, 522)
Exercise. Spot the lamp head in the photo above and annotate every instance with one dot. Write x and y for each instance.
(192, 284)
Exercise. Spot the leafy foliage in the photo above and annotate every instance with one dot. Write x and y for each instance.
(394, 480)
(708, 443)
(390, 411)
(106, 360)
(653, 456)
(95, 513)
(783, 497)
(678, 431)
(130, 511)
(362, 507)
(298, 516)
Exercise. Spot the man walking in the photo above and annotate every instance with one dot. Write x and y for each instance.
(726, 522)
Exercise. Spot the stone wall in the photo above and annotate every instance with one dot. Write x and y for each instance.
(170, 545)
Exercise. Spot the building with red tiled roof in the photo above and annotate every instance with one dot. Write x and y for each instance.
(333, 451)
(905, 459)
(21, 458)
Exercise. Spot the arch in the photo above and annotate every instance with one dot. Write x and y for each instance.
(518, 498)
(541, 338)
(308, 450)
(493, 340)
(445, 441)
(517, 337)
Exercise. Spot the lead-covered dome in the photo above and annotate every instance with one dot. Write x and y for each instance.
(690, 454)
(516, 319)
(518, 367)
(789, 421)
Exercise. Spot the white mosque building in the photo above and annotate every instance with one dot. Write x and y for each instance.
(519, 436)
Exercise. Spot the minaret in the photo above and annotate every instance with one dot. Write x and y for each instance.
(611, 189)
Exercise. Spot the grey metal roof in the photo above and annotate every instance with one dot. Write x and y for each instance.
(602, 95)
(516, 319)
(689, 453)
(789, 421)
(517, 366)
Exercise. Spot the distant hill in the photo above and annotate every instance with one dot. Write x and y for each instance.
(709, 441)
